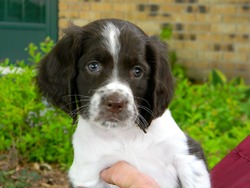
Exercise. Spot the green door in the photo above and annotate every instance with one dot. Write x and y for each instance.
(23, 22)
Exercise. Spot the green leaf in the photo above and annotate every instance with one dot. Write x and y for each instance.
(216, 77)
(166, 33)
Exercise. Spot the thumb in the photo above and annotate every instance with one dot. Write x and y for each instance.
(121, 174)
(124, 175)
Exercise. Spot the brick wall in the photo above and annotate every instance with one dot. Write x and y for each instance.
(206, 33)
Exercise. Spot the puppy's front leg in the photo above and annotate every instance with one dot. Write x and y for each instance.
(192, 172)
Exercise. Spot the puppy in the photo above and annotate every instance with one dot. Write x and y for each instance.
(116, 82)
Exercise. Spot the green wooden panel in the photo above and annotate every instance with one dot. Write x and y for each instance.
(25, 21)
(26, 11)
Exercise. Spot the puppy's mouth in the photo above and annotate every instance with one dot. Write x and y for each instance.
(109, 119)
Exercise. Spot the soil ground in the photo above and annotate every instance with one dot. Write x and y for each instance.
(30, 175)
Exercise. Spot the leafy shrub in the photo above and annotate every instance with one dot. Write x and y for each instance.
(215, 113)
(38, 131)
(36, 53)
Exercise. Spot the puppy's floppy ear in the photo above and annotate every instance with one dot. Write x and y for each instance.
(161, 84)
(57, 71)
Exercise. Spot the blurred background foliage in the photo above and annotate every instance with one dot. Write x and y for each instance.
(215, 113)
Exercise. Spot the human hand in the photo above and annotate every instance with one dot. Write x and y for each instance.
(124, 175)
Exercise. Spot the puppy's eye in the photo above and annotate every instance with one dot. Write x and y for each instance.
(94, 66)
(137, 71)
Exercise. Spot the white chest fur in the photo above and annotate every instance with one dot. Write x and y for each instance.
(161, 153)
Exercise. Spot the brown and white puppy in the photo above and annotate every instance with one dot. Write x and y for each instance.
(117, 81)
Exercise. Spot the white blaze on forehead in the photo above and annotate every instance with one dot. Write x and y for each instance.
(111, 40)
(111, 34)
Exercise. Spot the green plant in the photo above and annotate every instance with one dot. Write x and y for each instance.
(166, 32)
(215, 113)
(37, 52)
(177, 69)
(38, 131)
(216, 77)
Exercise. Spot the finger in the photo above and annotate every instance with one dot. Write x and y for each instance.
(124, 175)
(121, 174)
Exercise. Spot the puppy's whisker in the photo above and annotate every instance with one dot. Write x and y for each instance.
(67, 105)
(82, 96)
(75, 102)
(92, 91)
(81, 108)
(81, 111)
(83, 100)
(140, 98)
(142, 120)
(147, 110)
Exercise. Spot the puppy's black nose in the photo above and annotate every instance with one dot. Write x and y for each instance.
(115, 103)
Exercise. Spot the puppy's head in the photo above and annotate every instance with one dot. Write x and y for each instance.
(109, 72)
